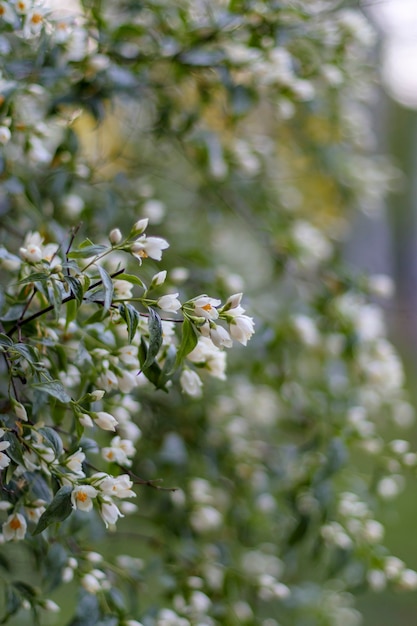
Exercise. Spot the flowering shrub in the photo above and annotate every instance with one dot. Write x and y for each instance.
(236, 131)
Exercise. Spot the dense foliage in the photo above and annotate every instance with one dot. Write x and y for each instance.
(234, 136)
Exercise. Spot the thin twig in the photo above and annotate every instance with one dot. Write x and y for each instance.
(51, 307)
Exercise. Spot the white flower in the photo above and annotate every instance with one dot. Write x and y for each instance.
(150, 247)
(14, 528)
(119, 451)
(105, 420)
(206, 307)
(75, 461)
(169, 303)
(127, 381)
(85, 420)
(220, 337)
(4, 459)
(242, 328)
(5, 134)
(51, 606)
(116, 486)
(207, 354)
(6, 13)
(191, 383)
(110, 513)
(82, 497)
(107, 380)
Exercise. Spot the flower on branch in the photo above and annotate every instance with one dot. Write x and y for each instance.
(82, 497)
(14, 528)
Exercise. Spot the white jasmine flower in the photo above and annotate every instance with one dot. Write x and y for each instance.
(7, 14)
(82, 497)
(169, 303)
(85, 420)
(219, 336)
(5, 134)
(105, 420)
(150, 247)
(110, 513)
(50, 606)
(14, 528)
(191, 383)
(206, 307)
(4, 459)
(242, 328)
(159, 278)
(75, 461)
(119, 451)
(116, 486)
(122, 289)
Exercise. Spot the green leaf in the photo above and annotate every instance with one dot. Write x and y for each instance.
(52, 440)
(27, 352)
(59, 509)
(55, 298)
(13, 313)
(131, 317)
(14, 451)
(72, 309)
(41, 276)
(5, 340)
(108, 287)
(188, 341)
(130, 278)
(55, 389)
(90, 250)
(155, 338)
(76, 288)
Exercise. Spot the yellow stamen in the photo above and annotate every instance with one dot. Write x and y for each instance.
(82, 496)
(15, 524)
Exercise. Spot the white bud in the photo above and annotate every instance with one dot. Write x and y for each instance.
(115, 236)
(140, 226)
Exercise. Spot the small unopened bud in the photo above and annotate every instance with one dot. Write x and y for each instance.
(20, 411)
(140, 226)
(159, 278)
(115, 236)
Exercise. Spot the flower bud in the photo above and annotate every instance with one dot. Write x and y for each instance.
(115, 236)
(140, 226)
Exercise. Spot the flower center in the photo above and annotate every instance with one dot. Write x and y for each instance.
(82, 496)
(15, 524)
(207, 307)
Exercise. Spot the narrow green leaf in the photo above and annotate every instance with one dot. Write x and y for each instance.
(55, 298)
(108, 287)
(76, 288)
(131, 278)
(153, 372)
(188, 341)
(36, 276)
(55, 389)
(13, 313)
(52, 440)
(72, 309)
(58, 510)
(131, 317)
(155, 338)
(84, 253)
(14, 451)
(5, 340)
